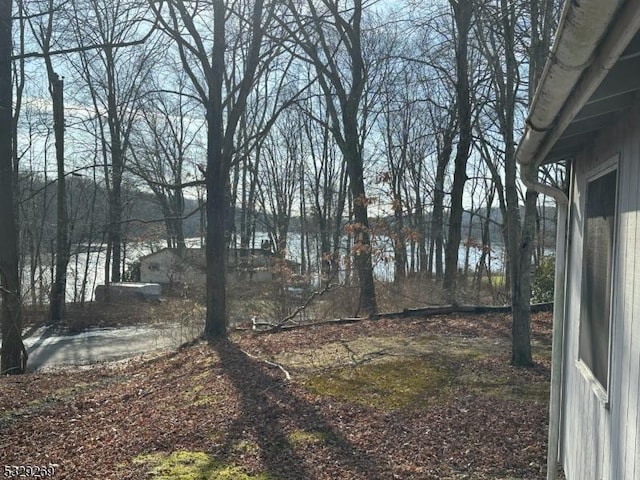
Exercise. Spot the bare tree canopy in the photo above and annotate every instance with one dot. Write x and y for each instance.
(368, 143)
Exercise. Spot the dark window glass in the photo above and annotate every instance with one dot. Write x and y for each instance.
(599, 232)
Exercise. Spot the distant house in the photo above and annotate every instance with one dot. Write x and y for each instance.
(170, 267)
(587, 110)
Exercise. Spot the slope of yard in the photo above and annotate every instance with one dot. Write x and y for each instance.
(410, 399)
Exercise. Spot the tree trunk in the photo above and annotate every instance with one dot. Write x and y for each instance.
(521, 287)
(13, 358)
(445, 148)
(362, 236)
(437, 219)
(216, 321)
(117, 167)
(303, 223)
(178, 213)
(463, 13)
(399, 241)
(58, 292)
(423, 236)
(216, 179)
(115, 215)
(337, 222)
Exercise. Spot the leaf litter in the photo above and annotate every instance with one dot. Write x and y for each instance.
(395, 398)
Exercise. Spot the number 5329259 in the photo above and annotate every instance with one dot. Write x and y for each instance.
(29, 471)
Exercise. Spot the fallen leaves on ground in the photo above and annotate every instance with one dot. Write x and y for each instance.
(224, 402)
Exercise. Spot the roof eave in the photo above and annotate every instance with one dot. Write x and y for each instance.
(591, 37)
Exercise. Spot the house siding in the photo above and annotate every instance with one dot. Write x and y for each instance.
(599, 440)
(166, 268)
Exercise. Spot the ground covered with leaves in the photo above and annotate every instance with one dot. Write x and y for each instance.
(418, 398)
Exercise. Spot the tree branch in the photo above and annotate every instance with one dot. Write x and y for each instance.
(313, 296)
(85, 48)
(287, 376)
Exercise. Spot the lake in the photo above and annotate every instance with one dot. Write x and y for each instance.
(93, 263)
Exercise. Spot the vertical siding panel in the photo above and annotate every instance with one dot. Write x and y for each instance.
(574, 454)
(599, 443)
(620, 371)
(633, 418)
(621, 408)
(633, 317)
(630, 318)
(567, 432)
(623, 301)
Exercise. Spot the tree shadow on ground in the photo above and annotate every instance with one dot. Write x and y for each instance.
(270, 410)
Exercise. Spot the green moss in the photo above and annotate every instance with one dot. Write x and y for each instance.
(379, 349)
(185, 465)
(205, 400)
(541, 349)
(399, 371)
(196, 396)
(302, 437)
(245, 446)
(422, 380)
(194, 391)
(504, 388)
(390, 385)
(204, 376)
(458, 347)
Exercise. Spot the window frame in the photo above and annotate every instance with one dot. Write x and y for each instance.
(601, 391)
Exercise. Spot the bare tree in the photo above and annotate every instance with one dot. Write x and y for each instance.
(330, 35)
(437, 46)
(13, 358)
(253, 132)
(223, 84)
(501, 48)
(462, 15)
(165, 146)
(42, 25)
(326, 183)
(445, 136)
(399, 116)
(115, 70)
(279, 175)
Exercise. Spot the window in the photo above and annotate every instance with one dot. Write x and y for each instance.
(599, 234)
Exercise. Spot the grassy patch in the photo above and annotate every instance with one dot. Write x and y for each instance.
(185, 465)
(392, 385)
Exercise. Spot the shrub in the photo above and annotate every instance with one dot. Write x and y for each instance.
(542, 289)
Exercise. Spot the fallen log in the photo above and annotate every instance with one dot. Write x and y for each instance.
(407, 312)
